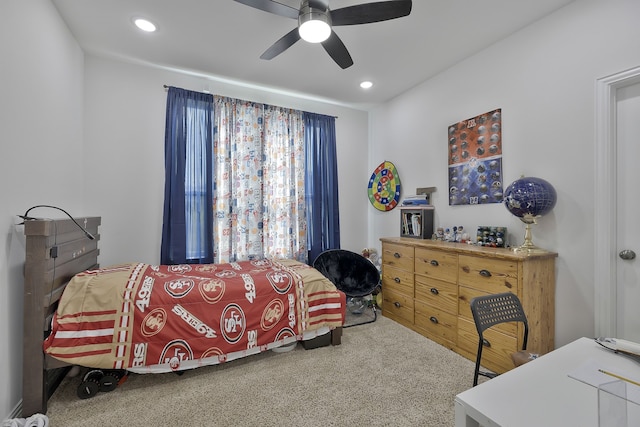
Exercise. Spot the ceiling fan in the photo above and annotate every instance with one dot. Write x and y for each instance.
(316, 14)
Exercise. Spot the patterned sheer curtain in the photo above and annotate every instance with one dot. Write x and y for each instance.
(259, 202)
(285, 223)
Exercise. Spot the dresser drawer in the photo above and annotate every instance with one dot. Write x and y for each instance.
(437, 293)
(489, 275)
(496, 357)
(436, 264)
(399, 256)
(465, 295)
(395, 279)
(397, 304)
(436, 322)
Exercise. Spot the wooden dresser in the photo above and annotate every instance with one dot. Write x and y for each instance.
(427, 286)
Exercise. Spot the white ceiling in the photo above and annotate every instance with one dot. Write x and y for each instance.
(224, 39)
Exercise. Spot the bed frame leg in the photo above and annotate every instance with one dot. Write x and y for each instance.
(336, 336)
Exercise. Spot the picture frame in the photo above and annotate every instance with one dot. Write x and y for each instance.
(475, 160)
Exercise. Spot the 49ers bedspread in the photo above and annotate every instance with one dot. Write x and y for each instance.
(158, 318)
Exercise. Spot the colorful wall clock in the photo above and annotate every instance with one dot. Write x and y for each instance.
(384, 187)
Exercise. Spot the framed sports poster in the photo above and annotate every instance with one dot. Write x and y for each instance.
(475, 160)
(384, 187)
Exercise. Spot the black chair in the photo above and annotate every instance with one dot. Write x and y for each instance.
(490, 310)
(354, 275)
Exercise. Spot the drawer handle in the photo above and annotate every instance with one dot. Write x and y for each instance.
(485, 342)
(434, 291)
(397, 304)
(485, 273)
(434, 263)
(396, 279)
(396, 254)
(434, 319)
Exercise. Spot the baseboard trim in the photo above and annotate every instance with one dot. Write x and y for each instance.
(17, 411)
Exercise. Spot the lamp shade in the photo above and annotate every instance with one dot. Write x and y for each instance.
(314, 25)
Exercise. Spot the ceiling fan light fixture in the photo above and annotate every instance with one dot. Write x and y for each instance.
(315, 19)
(313, 25)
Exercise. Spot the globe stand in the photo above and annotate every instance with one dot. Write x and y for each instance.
(528, 247)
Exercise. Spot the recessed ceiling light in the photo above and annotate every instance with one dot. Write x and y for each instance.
(366, 85)
(145, 25)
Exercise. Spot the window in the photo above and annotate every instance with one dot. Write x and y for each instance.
(236, 177)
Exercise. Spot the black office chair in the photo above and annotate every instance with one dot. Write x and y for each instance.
(354, 275)
(490, 310)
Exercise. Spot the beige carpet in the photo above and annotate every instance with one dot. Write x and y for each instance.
(383, 374)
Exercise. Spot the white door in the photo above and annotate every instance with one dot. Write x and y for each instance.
(628, 209)
(617, 180)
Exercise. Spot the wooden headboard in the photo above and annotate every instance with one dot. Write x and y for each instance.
(55, 251)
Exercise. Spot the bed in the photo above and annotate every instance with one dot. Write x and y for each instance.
(147, 318)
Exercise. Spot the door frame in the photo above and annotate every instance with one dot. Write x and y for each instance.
(605, 251)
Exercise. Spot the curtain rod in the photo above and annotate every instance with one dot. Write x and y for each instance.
(335, 117)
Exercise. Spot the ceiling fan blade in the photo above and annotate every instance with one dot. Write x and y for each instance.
(272, 7)
(337, 50)
(371, 12)
(281, 45)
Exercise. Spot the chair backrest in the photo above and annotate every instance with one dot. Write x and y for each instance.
(352, 273)
(490, 310)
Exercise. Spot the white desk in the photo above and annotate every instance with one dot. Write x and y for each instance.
(540, 393)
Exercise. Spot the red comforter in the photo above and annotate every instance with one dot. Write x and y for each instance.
(157, 318)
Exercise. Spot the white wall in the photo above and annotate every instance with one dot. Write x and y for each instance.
(124, 154)
(41, 116)
(543, 78)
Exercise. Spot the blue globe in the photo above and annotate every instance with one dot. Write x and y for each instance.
(528, 198)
